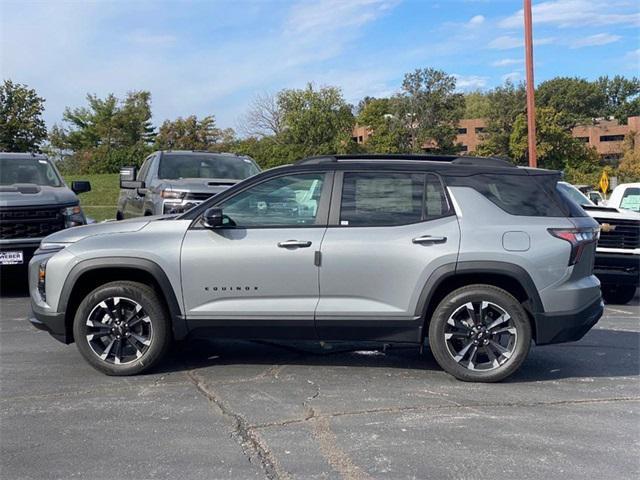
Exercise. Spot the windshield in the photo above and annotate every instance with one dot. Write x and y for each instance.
(631, 199)
(205, 165)
(28, 170)
(574, 194)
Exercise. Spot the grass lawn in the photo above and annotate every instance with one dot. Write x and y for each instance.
(100, 203)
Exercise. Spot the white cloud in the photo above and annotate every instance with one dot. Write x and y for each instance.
(470, 82)
(477, 20)
(506, 62)
(577, 13)
(507, 42)
(594, 40)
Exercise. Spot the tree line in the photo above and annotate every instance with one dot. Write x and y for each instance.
(280, 128)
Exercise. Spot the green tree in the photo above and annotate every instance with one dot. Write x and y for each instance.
(622, 97)
(316, 121)
(556, 148)
(579, 99)
(506, 103)
(429, 109)
(629, 168)
(106, 134)
(22, 128)
(476, 105)
(191, 133)
(387, 133)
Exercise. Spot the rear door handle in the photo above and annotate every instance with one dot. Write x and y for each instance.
(294, 244)
(425, 239)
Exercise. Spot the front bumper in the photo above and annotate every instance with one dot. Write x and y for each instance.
(567, 326)
(51, 322)
(617, 268)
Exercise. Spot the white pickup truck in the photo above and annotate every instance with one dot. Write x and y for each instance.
(617, 262)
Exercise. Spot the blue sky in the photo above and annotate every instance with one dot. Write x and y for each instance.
(212, 57)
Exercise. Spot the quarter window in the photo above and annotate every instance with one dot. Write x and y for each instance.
(290, 200)
(372, 199)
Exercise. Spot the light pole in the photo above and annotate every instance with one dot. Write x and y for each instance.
(531, 102)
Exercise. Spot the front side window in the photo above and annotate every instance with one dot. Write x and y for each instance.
(384, 198)
(290, 200)
(34, 170)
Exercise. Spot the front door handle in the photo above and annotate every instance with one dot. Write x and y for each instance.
(426, 239)
(294, 244)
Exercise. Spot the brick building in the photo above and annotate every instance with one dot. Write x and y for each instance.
(606, 135)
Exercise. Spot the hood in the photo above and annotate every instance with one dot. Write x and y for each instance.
(200, 185)
(72, 235)
(610, 212)
(30, 194)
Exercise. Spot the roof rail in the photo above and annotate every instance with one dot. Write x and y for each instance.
(453, 159)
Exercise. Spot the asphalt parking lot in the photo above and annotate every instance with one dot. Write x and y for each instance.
(254, 410)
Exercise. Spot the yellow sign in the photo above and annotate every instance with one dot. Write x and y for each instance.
(604, 182)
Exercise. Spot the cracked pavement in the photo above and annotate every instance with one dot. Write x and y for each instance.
(247, 410)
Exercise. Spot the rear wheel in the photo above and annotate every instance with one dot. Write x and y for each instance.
(618, 294)
(480, 333)
(122, 328)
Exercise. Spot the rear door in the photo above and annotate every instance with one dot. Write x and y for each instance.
(388, 232)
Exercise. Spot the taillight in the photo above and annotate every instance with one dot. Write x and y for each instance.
(578, 238)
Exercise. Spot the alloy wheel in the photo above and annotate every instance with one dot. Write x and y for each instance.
(119, 331)
(480, 336)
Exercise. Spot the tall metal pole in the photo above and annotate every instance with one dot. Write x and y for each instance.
(531, 102)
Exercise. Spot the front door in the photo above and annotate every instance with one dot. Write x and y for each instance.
(388, 234)
(259, 271)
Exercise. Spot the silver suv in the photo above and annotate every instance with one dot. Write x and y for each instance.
(175, 181)
(458, 250)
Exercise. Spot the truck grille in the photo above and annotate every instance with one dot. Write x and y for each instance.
(29, 222)
(622, 233)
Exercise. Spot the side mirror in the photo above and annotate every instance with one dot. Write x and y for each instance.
(213, 218)
(128, 178)
(80, 186)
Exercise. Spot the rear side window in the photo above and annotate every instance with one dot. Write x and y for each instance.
(524, 195)
(384, 198)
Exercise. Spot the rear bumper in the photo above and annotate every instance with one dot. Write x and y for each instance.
(567, 326)
(617, 268)
(53, 323)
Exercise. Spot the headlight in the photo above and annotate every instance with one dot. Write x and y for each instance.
(172, 194)
(42, 277)
(50, 247)
(73, 216)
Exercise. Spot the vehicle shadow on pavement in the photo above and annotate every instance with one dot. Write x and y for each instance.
(14, 283)
(602, 353)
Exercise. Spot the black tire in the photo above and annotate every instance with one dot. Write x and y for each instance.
(119, 215)
(618, 294)
(149, 324)
(515, 340)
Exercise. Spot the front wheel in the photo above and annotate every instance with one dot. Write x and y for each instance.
(480, 333)
(122, 328)
(618, 294)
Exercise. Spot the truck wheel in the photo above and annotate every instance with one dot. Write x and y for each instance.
(480, 333)
(618, 294)
(119, 215)
(122, 328)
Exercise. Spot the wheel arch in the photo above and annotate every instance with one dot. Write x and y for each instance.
(510, 277)
(90, 274)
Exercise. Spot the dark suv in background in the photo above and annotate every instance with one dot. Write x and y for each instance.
(34, 202)
(175, 181)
